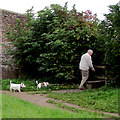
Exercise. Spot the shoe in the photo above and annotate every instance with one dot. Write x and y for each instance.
(82, 88)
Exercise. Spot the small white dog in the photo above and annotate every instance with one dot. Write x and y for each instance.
(16, 86)
(40, 85)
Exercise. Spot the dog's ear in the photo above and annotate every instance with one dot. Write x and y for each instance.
(37, 82)
(10, 82)
(21, 85)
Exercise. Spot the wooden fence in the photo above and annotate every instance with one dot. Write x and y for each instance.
(98, 78)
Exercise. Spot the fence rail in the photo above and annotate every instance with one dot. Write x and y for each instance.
(100, 77)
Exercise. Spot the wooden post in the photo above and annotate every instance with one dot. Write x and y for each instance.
(106, 78)
(105, 73)
(101, 77)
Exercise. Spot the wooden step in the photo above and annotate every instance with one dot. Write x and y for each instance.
(101, 78)
(102, 67)
(97, 81)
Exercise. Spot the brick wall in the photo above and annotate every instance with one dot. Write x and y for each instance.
(7, 18)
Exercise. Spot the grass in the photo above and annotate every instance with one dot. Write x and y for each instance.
(0, 105)
(39, 92)
(13, 107)
(104, 99)
(73, 109)
(32, 86)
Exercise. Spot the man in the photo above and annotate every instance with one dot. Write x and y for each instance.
(84, 65)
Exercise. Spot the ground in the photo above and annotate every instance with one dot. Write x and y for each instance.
(41, 100)
(38, 99)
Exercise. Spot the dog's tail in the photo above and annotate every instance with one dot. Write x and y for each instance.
(37, 82)
(10, 82)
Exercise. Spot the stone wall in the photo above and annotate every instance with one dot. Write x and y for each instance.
(7, 18)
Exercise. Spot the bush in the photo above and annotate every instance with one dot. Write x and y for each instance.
(110, 35)
(51, 44)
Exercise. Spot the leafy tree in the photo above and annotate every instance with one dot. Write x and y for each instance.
(111, 34)
(67, 35)
(50, 45)
(22, 43)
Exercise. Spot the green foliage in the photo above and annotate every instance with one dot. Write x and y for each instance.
(103, 99)
(23, 43)
(111, 36)
(32, 86)
(51, 44)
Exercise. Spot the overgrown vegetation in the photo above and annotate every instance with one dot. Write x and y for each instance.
(103, 99)
(32, 86)
(110, 35)
(49, 46)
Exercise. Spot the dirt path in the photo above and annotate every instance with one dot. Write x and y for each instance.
(66, 91)
(38, 99)
(41, 99)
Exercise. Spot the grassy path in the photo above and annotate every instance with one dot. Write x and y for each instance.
(41, 100)
(82, 108)
(38, 99)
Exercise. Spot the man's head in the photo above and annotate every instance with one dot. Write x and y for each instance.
(90, 52)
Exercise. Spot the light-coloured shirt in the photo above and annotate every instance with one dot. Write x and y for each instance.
(86, 62)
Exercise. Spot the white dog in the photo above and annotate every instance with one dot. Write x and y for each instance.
(46, 84)
(16, 86)
(40, 85)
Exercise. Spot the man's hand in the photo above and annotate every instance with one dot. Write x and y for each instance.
(93, 70)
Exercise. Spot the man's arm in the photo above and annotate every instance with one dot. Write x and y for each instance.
(90, 64)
